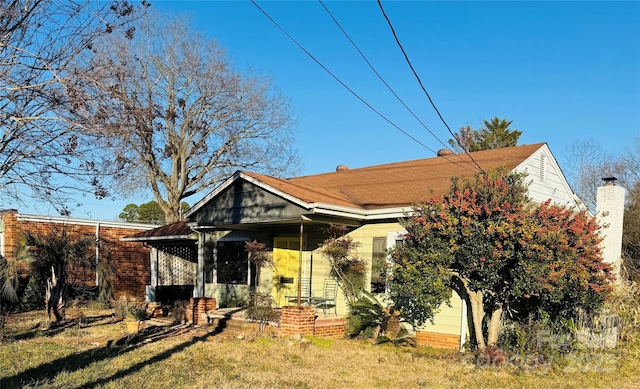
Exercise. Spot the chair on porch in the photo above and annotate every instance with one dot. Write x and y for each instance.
(329, 294)
(305, 292)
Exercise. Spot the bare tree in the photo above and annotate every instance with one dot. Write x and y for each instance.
(585, 164)
(177, 118)
(629, 166)
(38, 40)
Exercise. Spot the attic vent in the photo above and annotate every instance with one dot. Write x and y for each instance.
(341, 168)
(443, 152)
(543, 167)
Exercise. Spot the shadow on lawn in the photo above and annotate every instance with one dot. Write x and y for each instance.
(59, 327)
(50, 370)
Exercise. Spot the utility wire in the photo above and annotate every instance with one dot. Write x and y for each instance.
(406, 57)
(383, 80)
(345, 85)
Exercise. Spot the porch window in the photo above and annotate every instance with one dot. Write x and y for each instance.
(233, 263)
(378, 258)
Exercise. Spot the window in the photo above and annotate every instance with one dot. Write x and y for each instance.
(378, 258)
(210, 262)
(233, 263)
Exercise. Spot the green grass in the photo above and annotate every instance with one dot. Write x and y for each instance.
(101, 355)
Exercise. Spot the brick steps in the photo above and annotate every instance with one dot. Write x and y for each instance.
(294, 321)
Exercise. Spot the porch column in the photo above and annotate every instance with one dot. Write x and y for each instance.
(199, 290)
(151, 288)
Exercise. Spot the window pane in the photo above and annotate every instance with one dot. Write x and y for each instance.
(378, 258)
(233, 263)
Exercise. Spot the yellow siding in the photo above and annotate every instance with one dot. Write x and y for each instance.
(363, 235)
(448, 320)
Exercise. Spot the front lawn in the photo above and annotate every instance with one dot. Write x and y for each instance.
(99, 354)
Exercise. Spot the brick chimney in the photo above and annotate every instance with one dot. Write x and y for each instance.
(610, 214)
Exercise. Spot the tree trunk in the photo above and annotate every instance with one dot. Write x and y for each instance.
(172, 212)
(55, 295)
(494, 326)
(477, 312)
(393, 327)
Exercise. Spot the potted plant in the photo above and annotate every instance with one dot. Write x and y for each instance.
(135, 317)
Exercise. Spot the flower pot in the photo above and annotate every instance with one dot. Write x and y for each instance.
(132, 326)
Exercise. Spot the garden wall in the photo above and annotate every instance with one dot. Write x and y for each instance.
(130, 259)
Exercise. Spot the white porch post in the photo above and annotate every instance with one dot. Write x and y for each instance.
(199, 290)
(154, 267)
(150, 289)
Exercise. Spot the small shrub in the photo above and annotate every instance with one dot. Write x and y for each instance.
(536, 339)
(33, 296)
(261, 309)
(493, 356)
(121, 308)
(625, 302)
(179, 311)
(369, 318)
(138, 312)
(99, 304)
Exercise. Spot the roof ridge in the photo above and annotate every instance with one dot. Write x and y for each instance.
(409, 162)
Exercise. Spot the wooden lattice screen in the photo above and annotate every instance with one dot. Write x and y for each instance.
(177, 265)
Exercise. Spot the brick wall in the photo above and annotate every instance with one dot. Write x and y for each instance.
(197, 309)
(131, 259)
(330, 328)
(297, 320)
(438, 340)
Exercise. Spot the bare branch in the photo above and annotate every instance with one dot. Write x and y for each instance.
(171, 108)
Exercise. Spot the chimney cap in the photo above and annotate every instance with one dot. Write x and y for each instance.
(609, 180)
(444, 152)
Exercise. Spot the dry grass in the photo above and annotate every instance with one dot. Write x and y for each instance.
(100, 355)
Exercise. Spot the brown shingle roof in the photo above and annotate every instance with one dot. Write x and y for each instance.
(395, 184)
(174, 229)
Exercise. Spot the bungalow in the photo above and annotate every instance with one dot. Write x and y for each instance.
(206, 251)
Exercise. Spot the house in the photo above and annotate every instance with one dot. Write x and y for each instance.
(130, 260)
(206, 251)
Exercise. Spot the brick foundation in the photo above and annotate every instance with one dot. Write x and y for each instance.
(438, 340)
(197, 309)
(297, 321)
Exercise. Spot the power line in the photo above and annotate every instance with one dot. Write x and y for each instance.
(346, 86)
(406, 57)
(383, 80)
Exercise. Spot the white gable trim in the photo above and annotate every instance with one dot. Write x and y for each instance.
(542, 179)
(314, 208)
(237, 176)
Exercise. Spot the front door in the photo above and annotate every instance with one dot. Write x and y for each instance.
(286, 251)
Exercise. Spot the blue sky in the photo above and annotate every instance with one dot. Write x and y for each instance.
(562, 71)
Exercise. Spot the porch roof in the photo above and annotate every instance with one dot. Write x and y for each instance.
(174, 231)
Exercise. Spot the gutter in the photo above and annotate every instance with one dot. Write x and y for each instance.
(156, 238)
